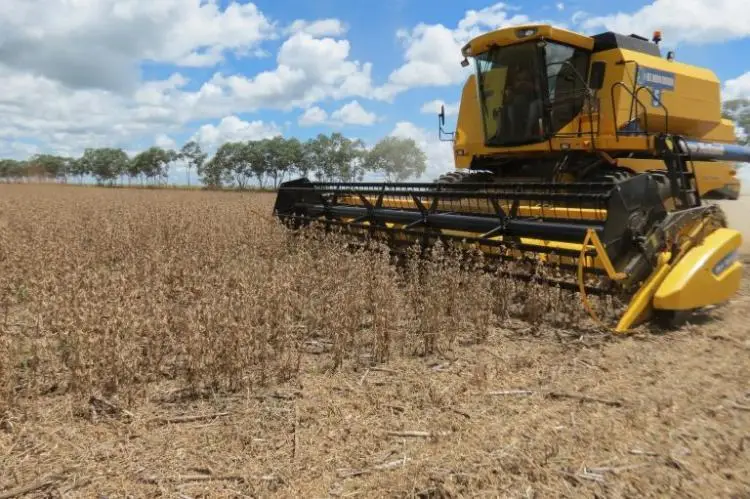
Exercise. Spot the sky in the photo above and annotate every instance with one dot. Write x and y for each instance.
(137, 73)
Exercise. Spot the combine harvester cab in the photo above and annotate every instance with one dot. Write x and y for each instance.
(541, 183)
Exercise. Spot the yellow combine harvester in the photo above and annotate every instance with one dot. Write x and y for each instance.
(715, 179)
(545, 126)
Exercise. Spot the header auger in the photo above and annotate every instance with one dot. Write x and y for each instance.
(544, 127)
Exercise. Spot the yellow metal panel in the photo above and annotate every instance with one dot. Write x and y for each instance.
(709, 273)
(509, 36)
(469, 138)
(640, 305)
(693, 104)
(613, 98)
(723, 132)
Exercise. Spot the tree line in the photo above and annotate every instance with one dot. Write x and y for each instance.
(265, 162)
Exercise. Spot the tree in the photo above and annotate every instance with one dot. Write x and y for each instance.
(738, 110)
(12, 170)
(257, 159)
(193, 156)
(281, 156)
(133, 168)
(79, 168)
(50, 166)
(304, 162)
(397, 158)
(106, 163)
(336, 157)
(213, 173)
(238, 162)
(6, 169)
(235, 163)
(153, 163)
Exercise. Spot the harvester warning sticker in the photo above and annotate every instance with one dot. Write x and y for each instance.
(658, 81)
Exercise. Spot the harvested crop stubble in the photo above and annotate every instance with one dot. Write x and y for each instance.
(181, 342)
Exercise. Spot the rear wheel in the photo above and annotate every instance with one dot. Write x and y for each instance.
(617, 175)
(463, 176)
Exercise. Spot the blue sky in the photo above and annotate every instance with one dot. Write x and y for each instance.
(133, 74)
(372, 29)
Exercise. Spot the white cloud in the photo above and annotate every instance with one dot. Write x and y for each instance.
(578, 17)
(233, 129)
(560, 6)
(165, 141)
(14, 149)
(737, 88)
(313, 116)
(439, 153)
(433, 107)
(353, 113)
(433, 51)
(65, 119)
(319, 28)
(309, 70)
(681, 21)
(100, 43)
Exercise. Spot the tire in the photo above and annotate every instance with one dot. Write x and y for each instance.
(614, 175)
(671, 320)
(463, 176)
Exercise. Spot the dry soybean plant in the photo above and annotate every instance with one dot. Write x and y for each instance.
(112, 290)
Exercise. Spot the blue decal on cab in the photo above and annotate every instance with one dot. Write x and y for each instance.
(725, 262)
(658, 81)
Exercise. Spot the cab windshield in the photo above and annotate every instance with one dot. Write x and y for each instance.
(527, 93)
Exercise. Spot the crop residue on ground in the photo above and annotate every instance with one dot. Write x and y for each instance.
(169, 342)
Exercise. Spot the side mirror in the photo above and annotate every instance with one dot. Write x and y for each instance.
(441, 123)
(670, 55)
(465, 62)
(596, 77)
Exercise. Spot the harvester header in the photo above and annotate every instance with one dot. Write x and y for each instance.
(545, 124)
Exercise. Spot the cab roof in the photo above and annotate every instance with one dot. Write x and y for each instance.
(523, 33)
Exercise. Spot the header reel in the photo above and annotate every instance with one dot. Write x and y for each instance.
(600, 237)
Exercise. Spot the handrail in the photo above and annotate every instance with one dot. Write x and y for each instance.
(630, 116)
(661, 104)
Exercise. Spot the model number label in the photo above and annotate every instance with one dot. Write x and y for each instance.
(658, 81)
(725, 262)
